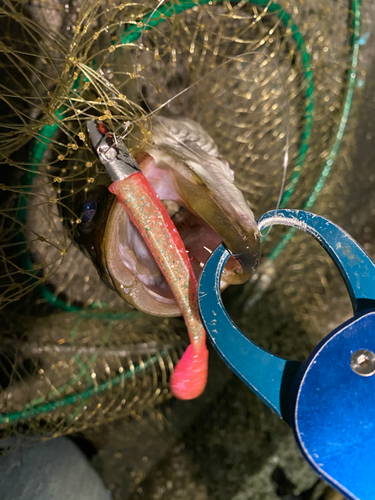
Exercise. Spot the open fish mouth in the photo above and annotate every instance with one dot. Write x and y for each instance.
(197, 188)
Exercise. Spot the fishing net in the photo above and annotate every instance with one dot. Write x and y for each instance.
(273, 84)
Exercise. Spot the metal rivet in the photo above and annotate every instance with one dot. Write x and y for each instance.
(362, 362)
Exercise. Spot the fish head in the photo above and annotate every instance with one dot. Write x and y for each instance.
(197, 187)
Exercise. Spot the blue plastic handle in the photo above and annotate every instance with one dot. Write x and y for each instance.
(334, 410)
(355, 266)
(330, 405)
(268, 375)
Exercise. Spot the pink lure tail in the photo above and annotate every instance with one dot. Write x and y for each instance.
(190, 375)
(151, 218)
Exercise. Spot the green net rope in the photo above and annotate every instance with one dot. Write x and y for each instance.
(130, 35)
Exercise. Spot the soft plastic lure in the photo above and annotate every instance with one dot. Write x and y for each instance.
(151, 218)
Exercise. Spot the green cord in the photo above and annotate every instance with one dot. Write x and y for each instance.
(129, 36)
(309, 203)
(34, 411)
(309, 94)
(166, 11)
(132, 34)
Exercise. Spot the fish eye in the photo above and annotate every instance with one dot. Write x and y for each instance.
(88, 211)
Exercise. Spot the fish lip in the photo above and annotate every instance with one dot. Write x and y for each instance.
(125, 282)
(249, 260)
(129, 286)
(228, 215)
(193, 154)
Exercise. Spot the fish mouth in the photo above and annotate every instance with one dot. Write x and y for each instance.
(206, 210)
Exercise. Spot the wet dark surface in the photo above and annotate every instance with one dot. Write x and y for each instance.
(225, 445)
